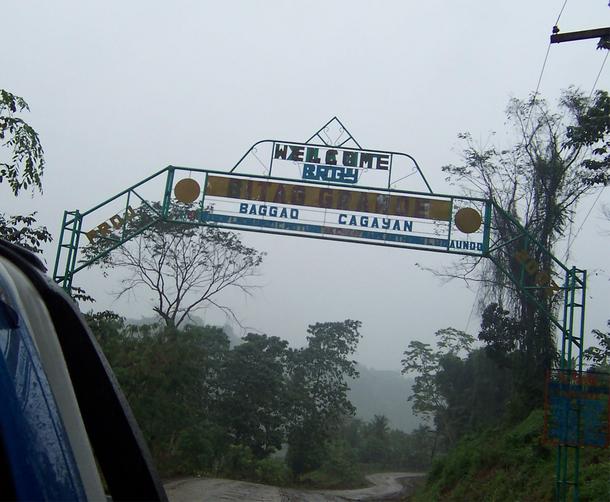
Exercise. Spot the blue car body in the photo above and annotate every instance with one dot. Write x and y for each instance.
(66, 431)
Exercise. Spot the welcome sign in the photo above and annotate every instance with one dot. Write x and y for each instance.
(333, 164)
(399, 219)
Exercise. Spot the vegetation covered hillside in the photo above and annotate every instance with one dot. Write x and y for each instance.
(511, 464)
(483, 398)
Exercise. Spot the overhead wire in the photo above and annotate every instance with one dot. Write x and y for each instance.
(598, 74)
(561, 12)
(546, 57)
(599, 194)
(474, 304)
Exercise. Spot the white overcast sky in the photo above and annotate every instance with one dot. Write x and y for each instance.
(119, 90)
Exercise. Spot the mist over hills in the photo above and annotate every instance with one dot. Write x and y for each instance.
(383, 392)
(374, 392)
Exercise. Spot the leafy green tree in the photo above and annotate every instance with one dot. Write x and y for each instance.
(428, 401)
(592, 130)
(599, 355)
(376, 444)
(340, 464)
(457, 389)
(254, 397)
(501, 333)
(170, 379)
(476, 391)
(377, 441)
(318, 390)
(414, 450)
(24, 168)
(21, 169)
(420, 358)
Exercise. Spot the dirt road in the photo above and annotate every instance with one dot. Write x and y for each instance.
(387, 486)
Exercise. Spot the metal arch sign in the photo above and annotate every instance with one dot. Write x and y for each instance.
(390, 217)
(329, 187)
(332, 188)
(339, 159)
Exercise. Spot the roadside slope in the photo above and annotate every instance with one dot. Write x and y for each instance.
(511, 464)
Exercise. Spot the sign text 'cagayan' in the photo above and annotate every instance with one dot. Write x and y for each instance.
(312, 209)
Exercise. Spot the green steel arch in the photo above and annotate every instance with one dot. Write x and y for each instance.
(87, 236)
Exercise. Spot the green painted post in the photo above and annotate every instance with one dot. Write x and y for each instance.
(59, 245)
(583, 298)
(487, 227)
(124, 228)
(167, 196)
(202, 204)
(451, 202)
(76, 229)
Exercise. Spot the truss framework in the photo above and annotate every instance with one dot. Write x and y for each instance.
(565, 286)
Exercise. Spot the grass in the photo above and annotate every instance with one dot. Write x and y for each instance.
(511, 465)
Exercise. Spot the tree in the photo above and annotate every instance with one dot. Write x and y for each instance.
(592, 130)
(254, 396)
(599, 355)
(457, 389)
(184, 266)
(538, 181)
(22, 230)
(502, 334)
(420, 358)
(318, 390)
(25, 166)
(376, 446)
(172, 382)
(476, 392)
(21, 170)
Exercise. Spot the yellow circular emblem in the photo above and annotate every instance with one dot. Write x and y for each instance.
(187, 190)
(468, 220)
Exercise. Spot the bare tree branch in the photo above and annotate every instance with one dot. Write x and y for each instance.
(186, 267)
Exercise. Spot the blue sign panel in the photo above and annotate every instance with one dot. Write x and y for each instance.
(577, 409)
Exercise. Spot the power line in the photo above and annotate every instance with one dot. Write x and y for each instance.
(561, 12)
(548, 49)
(474, 303)
(599, 73)
(546, 57)
(599, 194)
(571, 241)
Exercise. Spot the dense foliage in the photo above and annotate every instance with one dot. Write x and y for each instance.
(21, 168)
(484, 404)
(457, 389)
(205, 407)
(513, 463)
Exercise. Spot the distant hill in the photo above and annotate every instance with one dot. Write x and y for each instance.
(379, 392)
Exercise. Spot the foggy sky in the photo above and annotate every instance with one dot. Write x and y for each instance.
(119, 90)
